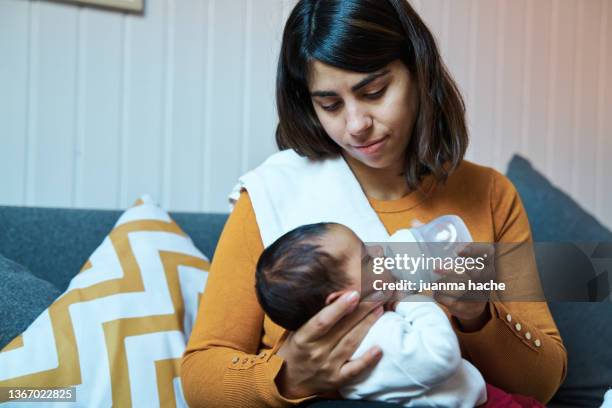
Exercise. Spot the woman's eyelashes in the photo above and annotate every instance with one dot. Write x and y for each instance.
(377, 94)
(331, 108)
(371, 96)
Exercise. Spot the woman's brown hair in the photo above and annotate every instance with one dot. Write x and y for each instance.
(365, 36)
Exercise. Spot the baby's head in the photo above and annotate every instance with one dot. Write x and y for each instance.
(308, 268)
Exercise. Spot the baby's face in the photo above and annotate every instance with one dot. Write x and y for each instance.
(341, 240)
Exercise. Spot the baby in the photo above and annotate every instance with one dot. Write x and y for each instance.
(310, 266)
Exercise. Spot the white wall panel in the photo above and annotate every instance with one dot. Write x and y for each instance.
(603, 192)
(587, 84)
(458, 47)
(538, 65)
(510, 77)
(14, 39)
(184, 177)
(263, 43)
(56, 87)
(481, 90)
(98, 111)
(225, 94)
(562, 120)
(98, 107)
(145, 84)
(431, 12)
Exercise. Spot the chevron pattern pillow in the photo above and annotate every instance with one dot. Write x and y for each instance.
(118, 332)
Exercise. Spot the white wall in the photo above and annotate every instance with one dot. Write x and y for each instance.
(97, 107)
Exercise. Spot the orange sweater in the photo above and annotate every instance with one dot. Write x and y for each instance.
(230, 359)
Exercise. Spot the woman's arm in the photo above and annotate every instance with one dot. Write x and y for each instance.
(518, 348)
(220, 366)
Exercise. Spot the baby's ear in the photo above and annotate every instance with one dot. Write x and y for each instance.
(333, 296)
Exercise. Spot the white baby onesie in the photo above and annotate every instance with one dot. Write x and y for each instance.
(421, 365)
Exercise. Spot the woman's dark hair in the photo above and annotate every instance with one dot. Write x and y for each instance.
(365, 36)
(295, 275)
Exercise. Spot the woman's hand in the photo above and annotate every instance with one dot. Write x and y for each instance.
(470, 308)
(317, 354)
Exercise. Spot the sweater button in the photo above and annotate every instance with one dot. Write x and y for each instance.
(235, 360)
(509, 317)
(537, 342)
(518, 327)
(528, 336)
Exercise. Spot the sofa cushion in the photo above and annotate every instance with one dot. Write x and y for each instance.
(23, 297)
(585, 327)
(53, 243)
(118, 332)
(553, 215)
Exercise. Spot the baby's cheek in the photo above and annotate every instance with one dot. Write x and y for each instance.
(366, 286)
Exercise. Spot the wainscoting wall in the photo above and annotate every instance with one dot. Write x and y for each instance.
(98, 107)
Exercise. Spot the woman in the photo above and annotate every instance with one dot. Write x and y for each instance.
(363, 80)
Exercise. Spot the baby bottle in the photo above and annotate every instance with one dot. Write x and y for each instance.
(441, 238)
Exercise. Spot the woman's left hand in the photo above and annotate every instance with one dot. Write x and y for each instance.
(469, 307)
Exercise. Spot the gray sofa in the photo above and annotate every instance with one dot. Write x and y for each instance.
(53, 244)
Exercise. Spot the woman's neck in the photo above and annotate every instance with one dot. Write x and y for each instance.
(380, 184)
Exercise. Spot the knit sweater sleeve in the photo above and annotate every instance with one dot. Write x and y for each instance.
(519, 349)
(221, 365)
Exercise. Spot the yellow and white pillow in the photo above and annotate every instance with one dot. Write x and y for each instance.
(118, 332)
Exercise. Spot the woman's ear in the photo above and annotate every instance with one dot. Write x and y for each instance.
(333, 296)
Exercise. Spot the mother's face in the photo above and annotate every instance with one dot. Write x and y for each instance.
(370, 116)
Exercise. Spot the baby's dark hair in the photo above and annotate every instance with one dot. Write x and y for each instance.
(295, 275)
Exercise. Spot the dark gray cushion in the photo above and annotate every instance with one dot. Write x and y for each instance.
(23, 297)
(204, 229)
(55, 243)
(586, 332)
(553, 215)
(586, 328)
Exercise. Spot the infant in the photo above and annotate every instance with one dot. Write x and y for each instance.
(310, 266)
